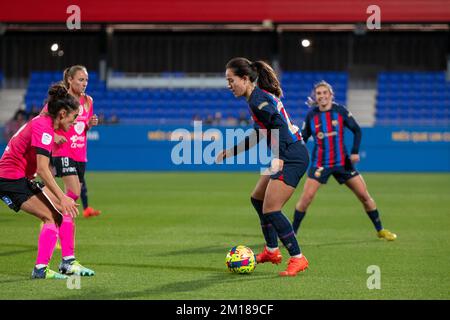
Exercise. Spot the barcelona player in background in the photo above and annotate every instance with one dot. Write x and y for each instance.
(258, 83)
(325, 122)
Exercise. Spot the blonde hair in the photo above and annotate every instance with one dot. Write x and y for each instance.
(311, 102)
(70, 73)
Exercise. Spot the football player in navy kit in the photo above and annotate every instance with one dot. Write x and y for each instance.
(325, 122)
(258, 83)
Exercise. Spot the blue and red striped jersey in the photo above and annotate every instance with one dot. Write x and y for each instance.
(268, 112)
(327, 129)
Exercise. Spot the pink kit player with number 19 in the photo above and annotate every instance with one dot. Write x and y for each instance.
(70, 152)
(27, 154)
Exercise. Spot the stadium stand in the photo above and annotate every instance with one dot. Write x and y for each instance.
(413, 98)
(180, 106)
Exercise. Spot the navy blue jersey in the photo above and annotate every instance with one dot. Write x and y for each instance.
(327, 129)
(268, 113)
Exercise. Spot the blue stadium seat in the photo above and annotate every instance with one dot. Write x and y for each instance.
(182, 104)
(416, 98)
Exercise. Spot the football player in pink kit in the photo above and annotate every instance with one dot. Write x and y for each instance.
(28, 153)
(70, 153)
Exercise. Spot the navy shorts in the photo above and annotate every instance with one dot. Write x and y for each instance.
(15, 192)
(66, 166)
(294, 168)
(340, 173)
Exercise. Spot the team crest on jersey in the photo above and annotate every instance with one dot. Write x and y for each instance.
(318, 172)
(334, 123)
(320, 135)
(79, 127)
(46, 139)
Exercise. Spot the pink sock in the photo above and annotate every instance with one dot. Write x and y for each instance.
(67, 236)
(72, 195)
(46, 243)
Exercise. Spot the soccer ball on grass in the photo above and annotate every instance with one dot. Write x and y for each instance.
(240, 259)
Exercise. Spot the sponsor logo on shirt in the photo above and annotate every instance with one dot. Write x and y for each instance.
(77, 141)
(321, 135)
(46, 139)
(69, 170)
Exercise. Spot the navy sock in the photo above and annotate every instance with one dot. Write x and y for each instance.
(375, 217)
(83, 195)
(298, 217)
(270, 234)
(284, 231)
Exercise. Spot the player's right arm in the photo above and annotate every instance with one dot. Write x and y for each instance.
(247, 143)
(42, 140)
(67, 204)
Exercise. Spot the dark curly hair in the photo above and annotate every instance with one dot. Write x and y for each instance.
(60, 99)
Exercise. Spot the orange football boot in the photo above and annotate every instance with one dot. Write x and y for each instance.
(295, 265)
(90, 212)
(267, 256)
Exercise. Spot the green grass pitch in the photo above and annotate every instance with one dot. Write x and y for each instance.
(166, 235)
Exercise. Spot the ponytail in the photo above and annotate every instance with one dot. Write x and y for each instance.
(267, 79)
(65, 80)
(258, 71)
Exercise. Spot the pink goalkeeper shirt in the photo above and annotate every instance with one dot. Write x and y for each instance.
(76, 145)
(19, 159)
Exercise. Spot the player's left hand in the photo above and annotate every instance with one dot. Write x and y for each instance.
(59, 139)
(93, 121)
(354, 158)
